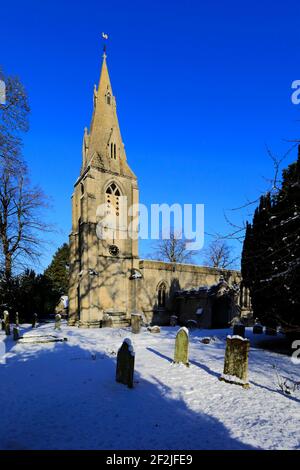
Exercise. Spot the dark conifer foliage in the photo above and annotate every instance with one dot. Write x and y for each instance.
(271, 254)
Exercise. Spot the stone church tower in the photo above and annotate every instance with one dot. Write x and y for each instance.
(100, 266)
(108, 282)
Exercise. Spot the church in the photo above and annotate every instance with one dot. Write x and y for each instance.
(108, 280)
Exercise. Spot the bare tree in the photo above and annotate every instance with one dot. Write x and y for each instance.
(21, 220)
(173, 250)
(21, 205)
(237, 231)
(219, 255)
(14, 111)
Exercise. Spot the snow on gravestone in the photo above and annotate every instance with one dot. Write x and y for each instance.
(136, 322)
(6, 323)
(182, 347)
(125, 363)
(236, 361)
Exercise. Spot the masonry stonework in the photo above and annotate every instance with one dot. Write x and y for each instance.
(108, 281)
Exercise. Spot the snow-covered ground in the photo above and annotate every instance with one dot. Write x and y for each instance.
(64, 395)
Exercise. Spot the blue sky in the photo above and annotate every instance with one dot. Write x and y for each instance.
(201, 88)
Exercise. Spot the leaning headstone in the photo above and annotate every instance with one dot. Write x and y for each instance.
(34, 320)
(136, 322)
(182, 347)
(125, 363)
(173, 320)
(236, 361)
(16, 333)
(17, 322)
(258, 329)
(57, 325)
(239, 330)
(6, 323)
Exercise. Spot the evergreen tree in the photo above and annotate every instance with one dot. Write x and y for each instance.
(58, 271)
(271, 254)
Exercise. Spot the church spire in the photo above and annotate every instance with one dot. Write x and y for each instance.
(105, 145)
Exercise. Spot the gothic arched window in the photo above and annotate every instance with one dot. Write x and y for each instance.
(108, 98)
(113, 194)
(161, 294)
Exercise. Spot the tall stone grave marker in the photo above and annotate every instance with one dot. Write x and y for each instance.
(6, 322)
(125, 363)
(236, 361)
(136, 322)
(182, 347)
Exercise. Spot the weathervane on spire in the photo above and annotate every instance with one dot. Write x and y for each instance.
(105, 37)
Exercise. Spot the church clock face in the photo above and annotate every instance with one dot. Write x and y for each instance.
(114, 250)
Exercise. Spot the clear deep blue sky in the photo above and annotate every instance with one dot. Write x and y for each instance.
(201, 88)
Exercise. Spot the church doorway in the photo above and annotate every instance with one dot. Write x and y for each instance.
(221, 312)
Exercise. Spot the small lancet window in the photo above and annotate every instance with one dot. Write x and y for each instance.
(161, 295)
(108, 99)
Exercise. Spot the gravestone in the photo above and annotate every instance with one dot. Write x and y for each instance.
(57, 325)
(236, 361)
(136, 322)
(125, 363)
(6, 322)
(6, 316)
(258, 329)
(239, 330)
(173, 320)
(182, 347)
(17, 322)
(34, 320)
(16, 333)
